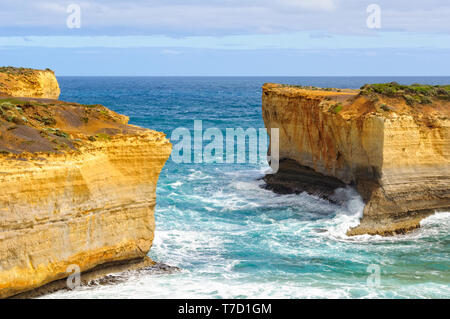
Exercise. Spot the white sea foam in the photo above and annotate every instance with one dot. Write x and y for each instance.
(197, 175)
(441, 219)
(208, 246)
(176, 184)
(351, 213)
(347, 216)
(188, 285)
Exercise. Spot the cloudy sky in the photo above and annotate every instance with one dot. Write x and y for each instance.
(228, 37)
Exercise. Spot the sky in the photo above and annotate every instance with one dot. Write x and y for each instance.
(228, 37)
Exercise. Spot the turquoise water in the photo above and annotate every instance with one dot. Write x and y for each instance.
(230, 237)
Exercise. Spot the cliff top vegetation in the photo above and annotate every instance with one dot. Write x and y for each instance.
(19, 71)
(415, 93)
(311, 88)
(41, 125)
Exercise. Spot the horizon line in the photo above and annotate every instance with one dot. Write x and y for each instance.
(254, 76)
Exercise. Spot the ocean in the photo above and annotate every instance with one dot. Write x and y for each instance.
(233, 239)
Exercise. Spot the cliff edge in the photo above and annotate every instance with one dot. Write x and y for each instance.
(24, 82)
(392, 142)
(77, 190)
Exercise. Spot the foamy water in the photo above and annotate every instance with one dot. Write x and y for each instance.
(238, 240)
(230, 237)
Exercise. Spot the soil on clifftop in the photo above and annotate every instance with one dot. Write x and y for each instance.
(418, 100)
(51, 126)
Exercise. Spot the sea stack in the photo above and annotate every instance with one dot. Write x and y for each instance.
(77, 186)
(390, 141)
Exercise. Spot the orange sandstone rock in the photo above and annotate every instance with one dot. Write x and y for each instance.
(397, 155)
(22, 82)
(77, 187)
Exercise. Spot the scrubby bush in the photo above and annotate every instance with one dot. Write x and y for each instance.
(337, 107)
(58, 132)
(385, 107)
(415, 93)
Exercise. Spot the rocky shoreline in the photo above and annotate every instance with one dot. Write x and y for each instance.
(105, 274)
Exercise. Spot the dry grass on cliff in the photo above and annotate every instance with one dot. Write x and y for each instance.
(19, 71)
(40, 125)
(422, 102)
(412, 94)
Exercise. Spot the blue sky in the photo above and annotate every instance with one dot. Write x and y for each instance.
(228, 37)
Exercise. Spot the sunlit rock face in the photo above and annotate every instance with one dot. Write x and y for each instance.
(396, 154)
(77, 187)
(22, 82)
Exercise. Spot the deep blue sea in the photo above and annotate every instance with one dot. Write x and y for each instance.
(233, 239)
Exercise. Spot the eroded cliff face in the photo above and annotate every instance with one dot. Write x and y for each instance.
(22, 82)
(77, 187)
(397, 156)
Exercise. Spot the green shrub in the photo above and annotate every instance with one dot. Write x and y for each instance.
(103, 136)
(26, 105)
(18, 120)
(337, 107)
(415, 93)
(7, 105)
(425, 100)
(410, 100)
(15, 71)
(58, 132)
(61, 134)
(385, 107)
(104, 112)
(49, 121)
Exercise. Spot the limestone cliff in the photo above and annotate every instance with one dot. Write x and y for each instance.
(22, 82)
(393, 146)
(77, 187)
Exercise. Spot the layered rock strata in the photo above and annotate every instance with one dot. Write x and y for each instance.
(23, 82)
(77, 190)
(394, 151)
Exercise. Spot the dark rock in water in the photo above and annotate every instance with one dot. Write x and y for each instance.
(293, 178)
(108, 280)
(107, 274)
(160, 268)
(155, 269)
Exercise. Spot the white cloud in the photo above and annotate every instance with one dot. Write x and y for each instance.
(327, 5)
(47, 6)
(224, 17)
(170, 52)
(297, 41)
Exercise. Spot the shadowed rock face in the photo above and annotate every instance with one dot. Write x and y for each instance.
(295, 178)
(396, 155)
(77, 187)
(22, 82)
